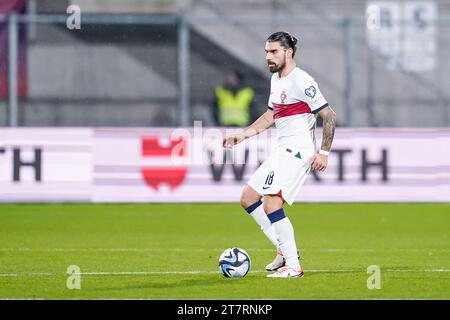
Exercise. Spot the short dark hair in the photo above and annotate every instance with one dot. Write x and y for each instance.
(287, 40)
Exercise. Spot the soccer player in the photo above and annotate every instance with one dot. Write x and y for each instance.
(294, 102)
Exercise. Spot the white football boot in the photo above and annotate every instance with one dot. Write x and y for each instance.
(278, 262)
(287, 272)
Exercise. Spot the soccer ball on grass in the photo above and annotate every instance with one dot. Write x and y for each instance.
(234, 263)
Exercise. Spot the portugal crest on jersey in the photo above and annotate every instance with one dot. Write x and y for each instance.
(283, 97)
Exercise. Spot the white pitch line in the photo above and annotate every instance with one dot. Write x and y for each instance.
(40, 274)
(381, 250)
(22, 298)
(437, 270)
(120, 250)
(125, 273)
(145, 273)
(347, 250)
(345, 270)
(207, 250)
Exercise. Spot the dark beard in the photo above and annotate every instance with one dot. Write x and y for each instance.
(275, 69)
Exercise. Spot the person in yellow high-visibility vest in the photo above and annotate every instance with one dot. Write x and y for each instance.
(233, 102)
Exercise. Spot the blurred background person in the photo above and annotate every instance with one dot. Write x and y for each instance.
(233, 102)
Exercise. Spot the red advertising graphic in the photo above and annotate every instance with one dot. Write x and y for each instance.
(151, 147)
(155, 176)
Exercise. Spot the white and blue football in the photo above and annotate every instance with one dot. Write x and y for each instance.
(234, 263)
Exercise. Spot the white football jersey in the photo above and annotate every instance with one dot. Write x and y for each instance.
(294, 100)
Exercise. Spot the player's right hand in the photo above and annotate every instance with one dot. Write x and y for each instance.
(319, 162)
(230, 141)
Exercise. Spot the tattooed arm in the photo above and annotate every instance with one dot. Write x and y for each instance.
(319, 162)
(329, 124)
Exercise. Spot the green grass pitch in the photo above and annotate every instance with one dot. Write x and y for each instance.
(158, 251)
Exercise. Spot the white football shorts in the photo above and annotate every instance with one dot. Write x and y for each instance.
(283, 173)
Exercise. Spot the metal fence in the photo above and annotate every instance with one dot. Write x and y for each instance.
(150, 70)
(79, 76)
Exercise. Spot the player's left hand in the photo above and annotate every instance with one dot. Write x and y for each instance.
(319, 162)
